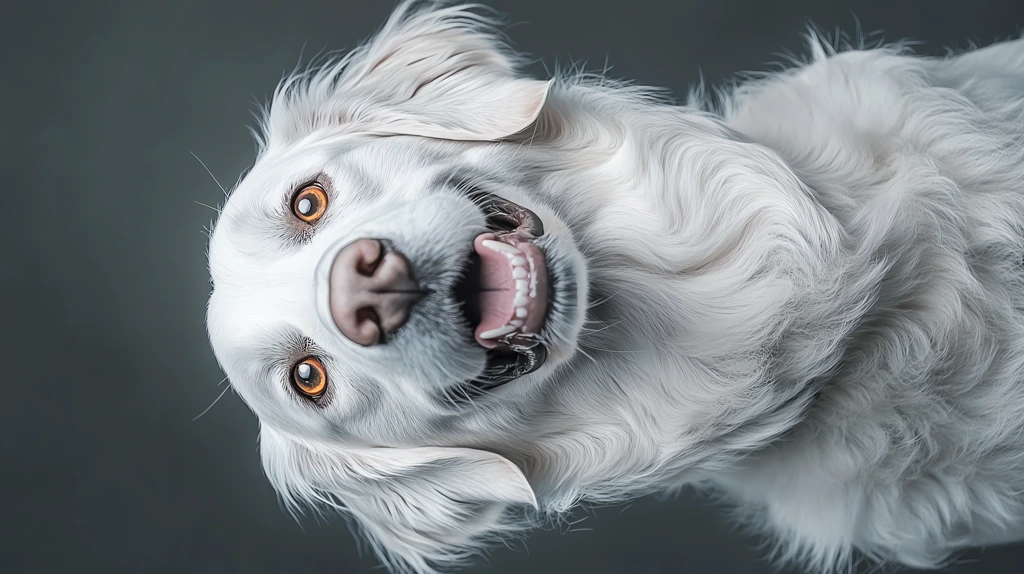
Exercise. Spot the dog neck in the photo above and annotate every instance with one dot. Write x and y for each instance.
(708, 267)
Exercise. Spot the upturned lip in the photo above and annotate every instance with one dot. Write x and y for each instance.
(510, 327)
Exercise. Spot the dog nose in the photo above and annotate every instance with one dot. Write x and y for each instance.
(371, 291)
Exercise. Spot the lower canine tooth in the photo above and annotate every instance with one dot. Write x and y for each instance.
(494, 333)
(520, 312)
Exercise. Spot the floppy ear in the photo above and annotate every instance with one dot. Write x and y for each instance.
(420, 507)
(431, 71)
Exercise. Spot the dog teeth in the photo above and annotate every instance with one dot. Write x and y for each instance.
(525, 286)
(501, 247)
(495, 333)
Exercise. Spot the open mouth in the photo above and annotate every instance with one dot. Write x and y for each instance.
(504, 291)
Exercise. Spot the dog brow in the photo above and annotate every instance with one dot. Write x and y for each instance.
(359, 185)
(280, 347)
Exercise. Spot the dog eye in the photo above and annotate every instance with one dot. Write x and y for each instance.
(309, 203)
(309, 377)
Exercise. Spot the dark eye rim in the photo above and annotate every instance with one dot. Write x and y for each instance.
(319, 180)
(323, 202)
(293, 379)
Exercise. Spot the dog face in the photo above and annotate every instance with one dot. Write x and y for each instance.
(387, 282)
(279, 295)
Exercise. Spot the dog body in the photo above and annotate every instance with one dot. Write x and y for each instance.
(808, 298)
(912, 446)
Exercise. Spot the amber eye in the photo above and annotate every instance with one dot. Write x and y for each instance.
(309, 377)
(310, 203)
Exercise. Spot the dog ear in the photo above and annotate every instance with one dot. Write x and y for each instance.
(437, 72)
(420, 507)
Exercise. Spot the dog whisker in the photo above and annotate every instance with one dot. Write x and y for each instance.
(207, 409)
(207, 206)
(224, 191)
(588, 331)
(585, 354)
(602, 301)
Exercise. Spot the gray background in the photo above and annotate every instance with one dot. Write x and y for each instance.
(106, 360)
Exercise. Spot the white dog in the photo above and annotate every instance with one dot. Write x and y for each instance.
(461, 301)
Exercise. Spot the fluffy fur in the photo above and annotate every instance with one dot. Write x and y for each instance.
(808, 299)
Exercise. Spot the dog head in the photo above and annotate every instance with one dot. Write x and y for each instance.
(380, 268)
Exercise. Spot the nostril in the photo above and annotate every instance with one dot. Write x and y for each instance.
(370, 327)
(371, 256)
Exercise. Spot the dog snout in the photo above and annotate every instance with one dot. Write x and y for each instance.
(372, 291)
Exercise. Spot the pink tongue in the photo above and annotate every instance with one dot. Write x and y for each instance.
(497, 290)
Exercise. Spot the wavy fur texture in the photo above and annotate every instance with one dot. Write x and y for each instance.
(806, 298)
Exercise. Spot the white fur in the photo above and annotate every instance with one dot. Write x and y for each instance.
(808, 299)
